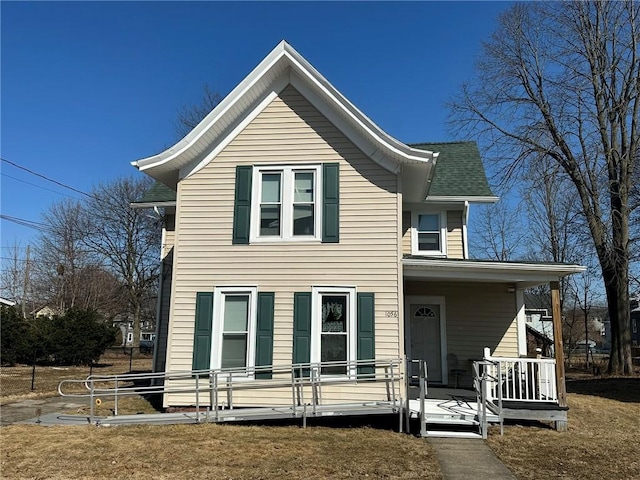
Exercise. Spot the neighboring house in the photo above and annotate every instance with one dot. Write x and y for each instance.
(539, 331)
(297, 231)
(46, 312)
(635, 322)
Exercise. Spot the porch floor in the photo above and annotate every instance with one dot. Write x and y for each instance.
(447, 405)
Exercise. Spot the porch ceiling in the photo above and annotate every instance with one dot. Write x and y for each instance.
(522, 274)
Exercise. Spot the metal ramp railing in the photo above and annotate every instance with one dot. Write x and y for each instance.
(216, 388)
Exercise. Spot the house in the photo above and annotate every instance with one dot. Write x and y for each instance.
(298, 232)
(539, 326)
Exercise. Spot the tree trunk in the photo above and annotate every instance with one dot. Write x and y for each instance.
(617, 290)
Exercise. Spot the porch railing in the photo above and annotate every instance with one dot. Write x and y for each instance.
(521, 379)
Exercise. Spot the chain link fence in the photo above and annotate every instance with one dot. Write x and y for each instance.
(19, 380)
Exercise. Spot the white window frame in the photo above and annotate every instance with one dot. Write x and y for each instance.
(442, 219)
(218, 320)
(286, 201)
(316, 323)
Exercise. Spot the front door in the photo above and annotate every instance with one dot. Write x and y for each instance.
(426, 338)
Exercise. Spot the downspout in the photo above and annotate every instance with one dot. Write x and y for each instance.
(465, 221)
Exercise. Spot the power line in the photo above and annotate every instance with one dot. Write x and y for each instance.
(44, 176)
(37, 186)
(26, 223)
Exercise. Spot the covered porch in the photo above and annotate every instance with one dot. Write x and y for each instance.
(455, 309)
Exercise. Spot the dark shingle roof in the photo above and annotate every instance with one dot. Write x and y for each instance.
(459, 171)
(158, 193)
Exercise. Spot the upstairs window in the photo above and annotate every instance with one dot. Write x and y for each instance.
(429, 233)
(285, 204)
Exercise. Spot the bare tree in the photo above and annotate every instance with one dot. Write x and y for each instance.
(126, 239)
(499, 232)
(191, 115)
(561, 80)
(13, 274)
(61, 256)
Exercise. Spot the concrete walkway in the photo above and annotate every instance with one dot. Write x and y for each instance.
(47, 410)
(463, 459)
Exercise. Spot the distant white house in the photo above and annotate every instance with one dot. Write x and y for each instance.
(7, 302)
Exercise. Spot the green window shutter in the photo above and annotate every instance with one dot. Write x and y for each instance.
(202, 332)
(331, 203)
(242, 205)
(264, 332)
(302, 328)
(366, 331)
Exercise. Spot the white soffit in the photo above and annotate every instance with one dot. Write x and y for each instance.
(264, 80)
(524, 274)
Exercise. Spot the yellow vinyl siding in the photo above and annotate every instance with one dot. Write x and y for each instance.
(289, 131)
(406, 233)
(454, 234)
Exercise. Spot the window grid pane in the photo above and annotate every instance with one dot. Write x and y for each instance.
(236, 311)
(303, 203)
(271, 204)
(234, 350)
(428, 223)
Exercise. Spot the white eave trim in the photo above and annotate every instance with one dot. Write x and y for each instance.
(528, 274)
(231, 106)
(470, 199)
(152, 204)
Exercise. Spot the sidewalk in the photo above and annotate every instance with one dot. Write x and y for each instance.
(49, 410)
(463, 459)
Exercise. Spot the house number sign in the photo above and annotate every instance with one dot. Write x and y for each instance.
(391, 314)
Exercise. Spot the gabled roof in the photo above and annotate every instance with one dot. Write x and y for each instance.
(283, 66)
(458, 173)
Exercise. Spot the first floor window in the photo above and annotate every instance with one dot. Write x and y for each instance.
(234, 327)
(333, 327)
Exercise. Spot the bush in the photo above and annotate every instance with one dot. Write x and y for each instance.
(79, 337)
(14, 342)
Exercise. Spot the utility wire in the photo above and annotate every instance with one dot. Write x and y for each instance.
(26, 223)
(44, 176)
(37, 186)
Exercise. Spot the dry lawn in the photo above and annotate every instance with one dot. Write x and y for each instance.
(602, 441)
(15, 382)
(213, 452)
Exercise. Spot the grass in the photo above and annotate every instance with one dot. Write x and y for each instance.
(213, 451)
(15, 382)
(602, 441)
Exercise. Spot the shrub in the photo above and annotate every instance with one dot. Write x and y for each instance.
(79, 337)
(14, 343)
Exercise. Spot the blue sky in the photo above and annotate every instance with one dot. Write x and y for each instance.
(88, 87)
